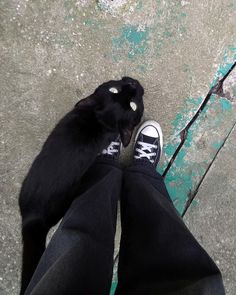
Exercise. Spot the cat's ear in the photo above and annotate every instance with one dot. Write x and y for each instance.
(86, 102)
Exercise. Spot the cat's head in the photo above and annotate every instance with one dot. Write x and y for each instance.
(118, 106)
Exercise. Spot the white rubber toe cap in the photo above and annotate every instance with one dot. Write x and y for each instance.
(151, 128)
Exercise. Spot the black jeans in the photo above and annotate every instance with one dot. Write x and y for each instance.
(158, 254)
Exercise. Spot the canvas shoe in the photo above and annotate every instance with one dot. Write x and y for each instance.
(148, 143)
(113, 150)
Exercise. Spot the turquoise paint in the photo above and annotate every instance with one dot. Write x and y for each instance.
(217, 144)
(225, 104)
(133, 39)
(194, 204)
(180, 158)
(181, 120)
(169, 149)
(228, 60)
(184, 175)
(113, 288)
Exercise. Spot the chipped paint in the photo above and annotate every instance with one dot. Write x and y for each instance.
(228, 60)
(204, 139)
(133, 39)
(197, 153)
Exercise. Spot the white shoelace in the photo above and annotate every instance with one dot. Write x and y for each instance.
(110, 150)
(143, 151)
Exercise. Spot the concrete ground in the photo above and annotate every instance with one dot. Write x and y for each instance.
(213, 219)
(53, 53)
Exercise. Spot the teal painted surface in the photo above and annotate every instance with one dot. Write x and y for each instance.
(205, 137)
(181, 120)
(217, 144)
(133, 39)
(228, 60)
(203, 141)
(113, 288)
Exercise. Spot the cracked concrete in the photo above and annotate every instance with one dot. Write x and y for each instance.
(212, 217)
(53, 53)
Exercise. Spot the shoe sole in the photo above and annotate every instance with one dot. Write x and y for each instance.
(154, 124)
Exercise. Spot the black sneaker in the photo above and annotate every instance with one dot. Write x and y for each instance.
(113, 150)
(149, 143)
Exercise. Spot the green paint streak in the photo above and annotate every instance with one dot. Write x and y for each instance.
(133, 39)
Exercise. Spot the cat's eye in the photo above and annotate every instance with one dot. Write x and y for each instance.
(133, 106)
(113, 90)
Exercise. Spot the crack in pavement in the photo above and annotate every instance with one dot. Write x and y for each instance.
(192, 196)
(218, 90)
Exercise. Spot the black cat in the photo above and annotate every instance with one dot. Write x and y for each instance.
(52, 183)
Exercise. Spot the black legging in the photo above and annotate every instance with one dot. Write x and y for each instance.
(158, 254)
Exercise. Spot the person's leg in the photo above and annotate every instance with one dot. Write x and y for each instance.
(79, 258)
(158, 254)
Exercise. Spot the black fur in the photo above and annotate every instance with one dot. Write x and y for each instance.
(53, 179)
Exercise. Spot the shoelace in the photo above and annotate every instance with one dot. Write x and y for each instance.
(110, 150)
(145, 151)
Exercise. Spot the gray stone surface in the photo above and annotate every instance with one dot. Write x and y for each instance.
(212, 219)
(48, 49)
